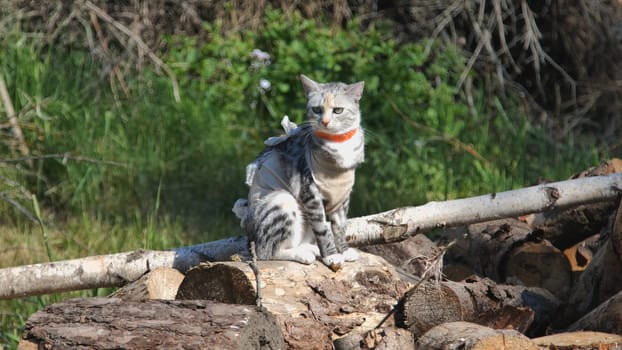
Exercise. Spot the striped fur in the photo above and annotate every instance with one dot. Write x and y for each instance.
(300, 184)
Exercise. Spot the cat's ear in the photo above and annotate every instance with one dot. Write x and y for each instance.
(355, 90)
(308, 85)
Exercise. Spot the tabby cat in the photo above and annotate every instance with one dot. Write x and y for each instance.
(300, 184)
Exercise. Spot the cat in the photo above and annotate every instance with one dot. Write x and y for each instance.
(300, 184)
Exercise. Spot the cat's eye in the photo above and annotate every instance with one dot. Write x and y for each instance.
(316, 110)
(338, 110)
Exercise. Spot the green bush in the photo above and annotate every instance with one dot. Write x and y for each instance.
(424, 142)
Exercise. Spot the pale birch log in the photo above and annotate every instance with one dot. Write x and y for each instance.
(398, 224)
(108, 270)
(390, 226)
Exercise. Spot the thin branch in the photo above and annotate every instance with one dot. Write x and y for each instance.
(141, 44)
(17, 130)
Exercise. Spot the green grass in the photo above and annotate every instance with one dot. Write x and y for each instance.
(147, 172)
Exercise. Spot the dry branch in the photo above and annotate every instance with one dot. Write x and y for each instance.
(5, 98)
(390, 226)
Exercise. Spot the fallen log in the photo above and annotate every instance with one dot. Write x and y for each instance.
(528, 310)
(394, 225)
(607, 317)
(312, 304)
(601, 279)
(507, 251)
(579, 341)
(471, 336)
(111, 323)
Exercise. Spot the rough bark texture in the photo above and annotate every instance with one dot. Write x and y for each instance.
(477, 300)
(313, 305)
(471, 336)
(601, 279)
(507, 251)
(378, 339)
(161, 283)
(111, 323)
(411, 255)
(607, 317)
(580, 341)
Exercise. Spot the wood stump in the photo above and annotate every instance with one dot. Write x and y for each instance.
(112, 323)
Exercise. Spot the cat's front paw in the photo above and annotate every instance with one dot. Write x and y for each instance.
(350, 254)
(334, 261)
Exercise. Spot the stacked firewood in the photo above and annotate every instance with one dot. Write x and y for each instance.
(543, 281)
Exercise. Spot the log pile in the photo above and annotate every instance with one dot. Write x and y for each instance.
(543, 281)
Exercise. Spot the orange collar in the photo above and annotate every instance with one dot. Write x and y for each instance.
(335, 137)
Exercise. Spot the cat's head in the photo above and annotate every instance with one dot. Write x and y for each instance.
(333, 107)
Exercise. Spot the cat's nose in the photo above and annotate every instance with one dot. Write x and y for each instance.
(325, 121)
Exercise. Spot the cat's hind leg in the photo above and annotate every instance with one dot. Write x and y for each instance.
(279, 230)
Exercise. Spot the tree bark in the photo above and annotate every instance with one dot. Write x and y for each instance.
(378, 339)
(579, 341)
(607, 317)
(394, 225)
(471, 336)
(507, 251)
(601, 279)
(312, 304)
(412, 255)
(111, 323)
(478, 300)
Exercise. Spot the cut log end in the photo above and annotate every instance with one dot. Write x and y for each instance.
(579, 341)
(471, 336)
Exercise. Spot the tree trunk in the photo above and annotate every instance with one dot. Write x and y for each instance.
(601, 279)
(312, 304)
(394, 225)
(477, 300)
(579, 341)
(111, 323)
(508, 251)
(471, 336)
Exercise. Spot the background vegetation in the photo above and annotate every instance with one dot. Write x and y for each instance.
(118, 161)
